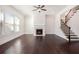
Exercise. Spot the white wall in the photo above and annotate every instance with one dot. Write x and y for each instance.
(46, 21)
(39, 19)
(39, 22)
(11, 36)
(29, 24)
(50, 24)
(58, 30)
(74, 23)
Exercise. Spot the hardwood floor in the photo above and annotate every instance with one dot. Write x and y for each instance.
(29, 44)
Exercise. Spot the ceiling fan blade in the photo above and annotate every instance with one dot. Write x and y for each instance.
(39, 5)
(44, 9)
(42, 6)
(35, 6)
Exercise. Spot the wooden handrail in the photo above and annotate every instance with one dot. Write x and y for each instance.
(68, 12)
(66, 19)
(69, 15)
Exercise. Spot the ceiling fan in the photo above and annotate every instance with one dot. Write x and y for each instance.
(39, 8)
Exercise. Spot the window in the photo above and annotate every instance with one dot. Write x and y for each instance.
(17, 24)
(9, 23)
(12, 23)
(1, 22)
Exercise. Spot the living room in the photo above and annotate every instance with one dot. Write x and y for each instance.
(39, 29)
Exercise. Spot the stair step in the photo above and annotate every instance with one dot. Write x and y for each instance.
(71, 35)
(74, 37)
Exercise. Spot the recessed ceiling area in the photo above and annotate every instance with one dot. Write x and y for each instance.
(51, 9)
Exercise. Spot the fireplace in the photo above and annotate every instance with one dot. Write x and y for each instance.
(39, 31)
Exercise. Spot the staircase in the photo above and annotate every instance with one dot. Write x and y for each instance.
(67, 29)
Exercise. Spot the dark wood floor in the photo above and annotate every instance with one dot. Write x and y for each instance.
(50, 44)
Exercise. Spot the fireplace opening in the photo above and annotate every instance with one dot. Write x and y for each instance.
(39, 31)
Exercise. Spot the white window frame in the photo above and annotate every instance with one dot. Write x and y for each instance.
(14, 25)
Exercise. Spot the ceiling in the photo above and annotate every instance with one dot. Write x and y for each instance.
(51, 9)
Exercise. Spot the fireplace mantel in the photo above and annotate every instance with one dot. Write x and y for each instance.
(38, 27)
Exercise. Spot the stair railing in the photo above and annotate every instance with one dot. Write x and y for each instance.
(67, 18)
(69, 36)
